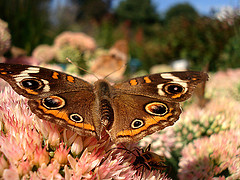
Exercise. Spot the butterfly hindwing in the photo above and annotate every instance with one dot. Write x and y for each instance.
(72, 111)
(138, 116)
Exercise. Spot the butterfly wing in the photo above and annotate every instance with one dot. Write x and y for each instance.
(36, 82)
(172, 86)
(138, 116)
(73, 111)
(54, 96)
(148, 104)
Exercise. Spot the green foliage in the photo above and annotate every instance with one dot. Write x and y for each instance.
(67, 51)
(105, 34)
(28, 22)
(138, 12)
(230, 57)
(183, 9)
(92, 9)
(200, 42)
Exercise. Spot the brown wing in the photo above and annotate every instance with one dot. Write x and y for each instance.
(138, 116)
(54, 96)
(172, 86)
(36, 82)
(71, 110)
(147, 104)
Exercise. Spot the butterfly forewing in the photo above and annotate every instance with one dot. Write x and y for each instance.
(172, 86)
(36, 82)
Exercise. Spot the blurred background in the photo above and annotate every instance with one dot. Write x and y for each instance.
(202, 35)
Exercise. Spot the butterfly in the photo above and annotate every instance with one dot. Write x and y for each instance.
(127, 111)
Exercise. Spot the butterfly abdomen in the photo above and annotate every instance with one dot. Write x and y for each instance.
(107, 115)
(105, 107)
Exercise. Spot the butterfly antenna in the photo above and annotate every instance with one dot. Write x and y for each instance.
(115, 71)
(82, 68)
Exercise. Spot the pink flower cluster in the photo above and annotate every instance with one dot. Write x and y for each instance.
(67, 44)
(31, 148)
(223, 83)
(217, 156)
(220, 114)
(75, 39)
(162, 143)
(44, 53)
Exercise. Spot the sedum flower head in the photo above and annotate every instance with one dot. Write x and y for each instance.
(214, 156)
(219, 115)
(44, 53)
(216, 89)
(77, 40)
(60, 155)
(162, 142)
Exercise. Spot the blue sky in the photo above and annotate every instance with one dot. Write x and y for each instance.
(202, 6)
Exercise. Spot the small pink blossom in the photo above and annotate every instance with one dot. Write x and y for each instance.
(49, 131)
(50, 171)
(24, 167)
(69, 136)
(84, 166)
(61, 153)
(41, 156)
(9, 146)
(77, 146)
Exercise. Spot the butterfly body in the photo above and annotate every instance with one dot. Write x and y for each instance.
(127, 111)
(103, 105)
